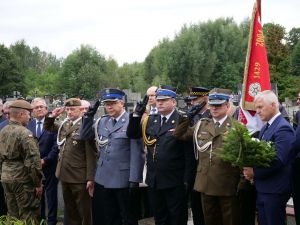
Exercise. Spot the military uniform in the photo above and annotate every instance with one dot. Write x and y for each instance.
(20, 169)
(169, 166)
(76, 165)
(216, 179)
(196, 202)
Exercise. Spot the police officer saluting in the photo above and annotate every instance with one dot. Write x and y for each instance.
(20, 165)
(120, 165)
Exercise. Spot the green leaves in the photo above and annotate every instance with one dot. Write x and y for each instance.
(241, 150)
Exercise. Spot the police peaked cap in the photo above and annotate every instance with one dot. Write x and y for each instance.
(112, 94)
(165, 92)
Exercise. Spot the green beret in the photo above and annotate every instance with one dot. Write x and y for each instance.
(73, 102)
(21, 104)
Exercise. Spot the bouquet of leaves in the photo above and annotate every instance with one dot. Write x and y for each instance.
(242, 150)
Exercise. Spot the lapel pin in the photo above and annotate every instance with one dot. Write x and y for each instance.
(173, 121)
(123, 120)
(155, 121)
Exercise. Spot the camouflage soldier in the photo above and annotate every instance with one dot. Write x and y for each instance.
(20, 166)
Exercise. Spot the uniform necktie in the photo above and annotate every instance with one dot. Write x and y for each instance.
(39, 129)
(164, 121)
(217, 124)
(114, 122)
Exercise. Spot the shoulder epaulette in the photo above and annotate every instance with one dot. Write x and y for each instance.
(205, 119)
(155, 114)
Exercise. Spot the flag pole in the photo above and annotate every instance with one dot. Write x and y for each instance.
(258, 3)
(246, 70)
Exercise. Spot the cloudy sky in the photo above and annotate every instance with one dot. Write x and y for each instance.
(123, 29)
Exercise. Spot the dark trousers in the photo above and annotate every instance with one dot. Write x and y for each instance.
(113, 206)
(78, 203)
(296, 189)
(220, 210)
(3, 208)
(50, 197)
(169, 205)
(196, 206)
(247, 199)
(271, 208)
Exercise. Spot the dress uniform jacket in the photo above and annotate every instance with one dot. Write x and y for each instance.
(121, 159)
(169, 164)
(214, 176)
(76, 162)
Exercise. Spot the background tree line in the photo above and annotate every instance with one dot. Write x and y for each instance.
(208, 54)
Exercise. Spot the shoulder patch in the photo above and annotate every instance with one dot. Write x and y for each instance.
(105, 115)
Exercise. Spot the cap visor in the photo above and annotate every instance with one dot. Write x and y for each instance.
(162, 97)
(110, 100)
(216, 101)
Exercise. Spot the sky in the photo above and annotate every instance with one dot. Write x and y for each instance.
(126, 30)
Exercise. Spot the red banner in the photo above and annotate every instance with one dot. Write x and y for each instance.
(256, 74)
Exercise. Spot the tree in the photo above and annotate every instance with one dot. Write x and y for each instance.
(83, 72)
(11, 78)
(295, 60)
(274, 34)
(292, 38)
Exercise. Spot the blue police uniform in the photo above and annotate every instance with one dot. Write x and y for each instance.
(120, 164)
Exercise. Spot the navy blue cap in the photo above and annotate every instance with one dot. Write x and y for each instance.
(196, 92)
(112, 94)
(218, 96)
(166, 91)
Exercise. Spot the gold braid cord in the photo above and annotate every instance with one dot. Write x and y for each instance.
(147, 140)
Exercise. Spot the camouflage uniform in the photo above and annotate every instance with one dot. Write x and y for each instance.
(20, 171)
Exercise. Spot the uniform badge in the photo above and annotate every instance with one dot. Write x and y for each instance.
(155, 121)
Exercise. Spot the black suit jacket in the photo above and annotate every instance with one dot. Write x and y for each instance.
(169, 162)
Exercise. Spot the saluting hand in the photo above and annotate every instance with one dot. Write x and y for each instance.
(57, 111)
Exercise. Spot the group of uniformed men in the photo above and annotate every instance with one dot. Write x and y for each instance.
(179, 150)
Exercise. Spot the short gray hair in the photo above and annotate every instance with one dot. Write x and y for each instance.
(268, 97)
(35, 100)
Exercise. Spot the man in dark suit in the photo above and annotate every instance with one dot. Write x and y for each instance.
(120, 165)
(295, 176)
(169, 164)
(273, 184)
(48, 151)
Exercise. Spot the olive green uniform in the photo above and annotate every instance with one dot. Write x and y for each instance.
(20, 170)
(76, 165)
(216, 179)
